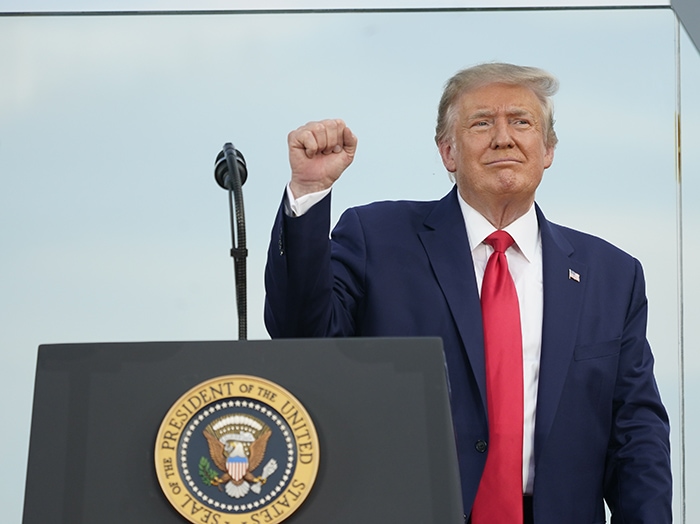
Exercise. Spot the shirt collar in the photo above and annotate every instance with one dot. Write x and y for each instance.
(525, 230)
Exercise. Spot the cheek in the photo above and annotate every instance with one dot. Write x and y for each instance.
(469, 153)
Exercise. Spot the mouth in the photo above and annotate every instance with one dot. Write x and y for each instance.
(501, 161)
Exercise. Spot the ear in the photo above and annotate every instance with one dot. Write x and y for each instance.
(447, 153)
(548, 157)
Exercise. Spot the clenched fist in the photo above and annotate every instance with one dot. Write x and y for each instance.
(319, 152)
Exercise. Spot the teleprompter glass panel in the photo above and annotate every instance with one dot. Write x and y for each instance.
(113, 225)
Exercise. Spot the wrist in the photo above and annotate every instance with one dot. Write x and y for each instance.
(299, 190)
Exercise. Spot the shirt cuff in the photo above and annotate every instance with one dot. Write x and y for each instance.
(296, 207)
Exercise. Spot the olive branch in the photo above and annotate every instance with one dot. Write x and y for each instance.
(207, 473)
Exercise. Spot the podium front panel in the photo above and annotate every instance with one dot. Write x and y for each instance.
(380, 407)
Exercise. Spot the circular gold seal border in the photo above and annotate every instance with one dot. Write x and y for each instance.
(214, 391)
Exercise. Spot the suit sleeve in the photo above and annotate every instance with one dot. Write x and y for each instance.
(638, 486)
(313, 285)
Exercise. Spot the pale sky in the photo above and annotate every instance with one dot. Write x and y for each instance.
(114, 229)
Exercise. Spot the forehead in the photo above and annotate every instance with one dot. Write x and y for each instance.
(499, 98)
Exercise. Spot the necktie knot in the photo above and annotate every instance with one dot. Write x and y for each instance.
(499, 240)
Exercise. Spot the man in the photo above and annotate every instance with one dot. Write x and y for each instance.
(590, 425)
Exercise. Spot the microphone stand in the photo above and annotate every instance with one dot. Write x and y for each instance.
(233, 182)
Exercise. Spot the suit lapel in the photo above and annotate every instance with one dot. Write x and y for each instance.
(447, 246)
(563, 298)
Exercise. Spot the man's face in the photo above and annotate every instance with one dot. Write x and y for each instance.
(497, 152)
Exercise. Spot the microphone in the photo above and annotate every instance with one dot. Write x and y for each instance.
(230, 172)
(229, 156)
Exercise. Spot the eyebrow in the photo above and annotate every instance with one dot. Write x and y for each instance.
(510, 111)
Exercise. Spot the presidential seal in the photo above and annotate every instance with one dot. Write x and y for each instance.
(236, 449)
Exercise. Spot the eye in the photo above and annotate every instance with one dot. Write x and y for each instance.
(521, 122)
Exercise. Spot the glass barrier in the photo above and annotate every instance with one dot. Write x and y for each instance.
(114, 229)
(689, 426)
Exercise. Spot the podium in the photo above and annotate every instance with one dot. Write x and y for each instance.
(380, 407)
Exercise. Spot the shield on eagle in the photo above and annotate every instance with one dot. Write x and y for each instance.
(237, 467)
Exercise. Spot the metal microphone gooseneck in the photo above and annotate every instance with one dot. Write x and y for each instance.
(230, 172)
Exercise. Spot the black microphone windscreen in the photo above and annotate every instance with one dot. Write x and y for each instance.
(221, 165)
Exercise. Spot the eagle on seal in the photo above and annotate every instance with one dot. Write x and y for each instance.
(237, 459)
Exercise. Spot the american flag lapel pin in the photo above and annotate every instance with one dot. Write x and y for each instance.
(574, 276)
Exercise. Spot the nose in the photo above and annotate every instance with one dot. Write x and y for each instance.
(502, 138)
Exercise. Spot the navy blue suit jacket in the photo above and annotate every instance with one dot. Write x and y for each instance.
(405, 269)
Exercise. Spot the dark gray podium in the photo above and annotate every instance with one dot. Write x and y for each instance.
(380, 407)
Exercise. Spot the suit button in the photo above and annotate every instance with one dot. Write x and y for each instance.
(481, 446)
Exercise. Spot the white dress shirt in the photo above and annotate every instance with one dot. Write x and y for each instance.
(525, 264)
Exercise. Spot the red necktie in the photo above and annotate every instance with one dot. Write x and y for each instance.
(499, 499)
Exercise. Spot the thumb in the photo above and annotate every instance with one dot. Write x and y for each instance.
(349, 142)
